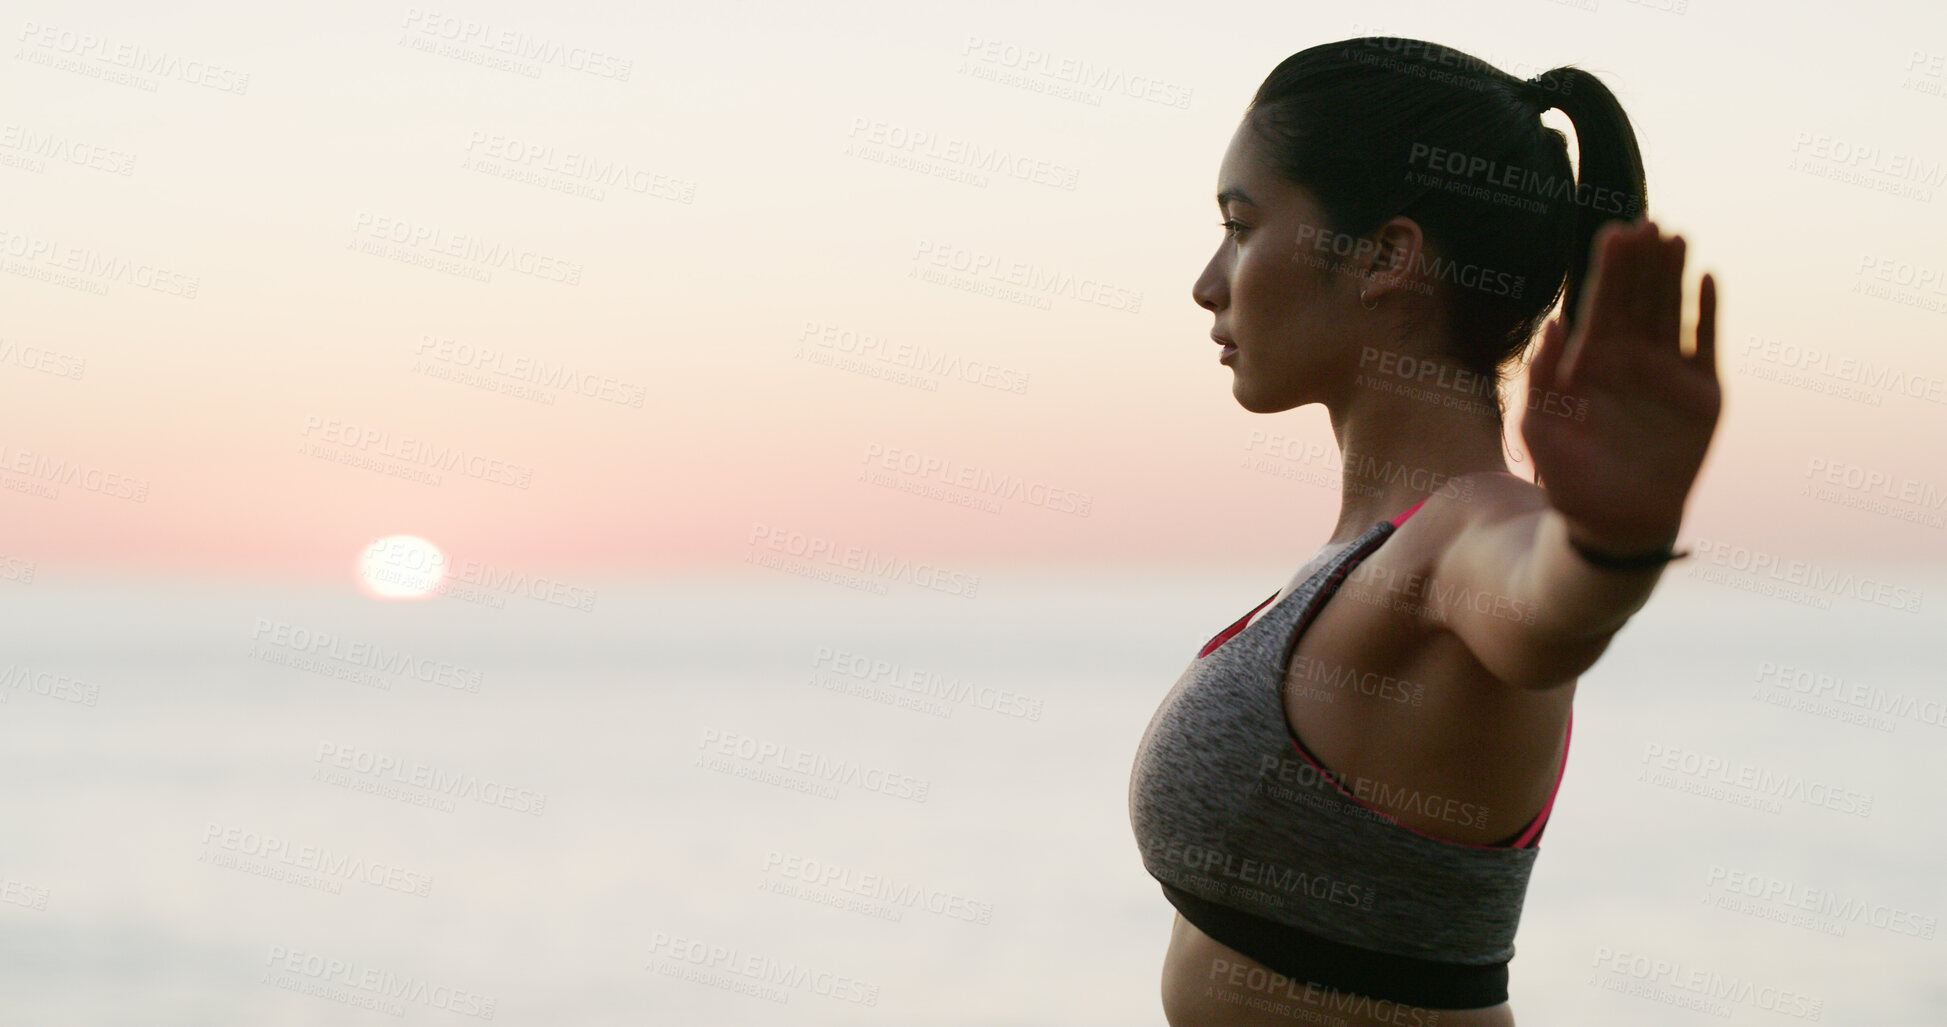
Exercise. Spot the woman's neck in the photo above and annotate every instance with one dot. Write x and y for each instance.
(1402, 440)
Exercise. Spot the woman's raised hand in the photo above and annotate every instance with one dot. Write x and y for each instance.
(1619, 417)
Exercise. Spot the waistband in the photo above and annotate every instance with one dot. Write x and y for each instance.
(1303, 956)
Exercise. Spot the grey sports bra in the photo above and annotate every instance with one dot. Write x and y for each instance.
(1262, 849)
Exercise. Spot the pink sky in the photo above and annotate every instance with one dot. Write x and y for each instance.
(746, 242)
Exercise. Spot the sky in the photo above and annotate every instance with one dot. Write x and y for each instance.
(262, 264)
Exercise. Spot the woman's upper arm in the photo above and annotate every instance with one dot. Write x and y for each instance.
(1486, 593)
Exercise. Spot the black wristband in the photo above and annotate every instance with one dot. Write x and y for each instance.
(1612, 562)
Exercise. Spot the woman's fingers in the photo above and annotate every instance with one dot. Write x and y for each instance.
(1706, 354)
(1634, 300)
(1601, 299)
(1666, 326)
(1642, 273)
(1548, 358)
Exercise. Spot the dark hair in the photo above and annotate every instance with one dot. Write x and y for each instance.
(1381, 126)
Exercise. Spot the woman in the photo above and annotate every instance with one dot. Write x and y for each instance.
(1342, 799)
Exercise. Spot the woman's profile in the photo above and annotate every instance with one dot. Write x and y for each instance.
(1343, 794)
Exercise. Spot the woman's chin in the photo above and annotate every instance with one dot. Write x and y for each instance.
(1246, 397)
(1255, 401)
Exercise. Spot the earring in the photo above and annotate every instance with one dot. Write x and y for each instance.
(1363, 303)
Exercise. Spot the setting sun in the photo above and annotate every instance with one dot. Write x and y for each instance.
(401, 567)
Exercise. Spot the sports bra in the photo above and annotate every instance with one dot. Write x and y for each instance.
(1262, 848)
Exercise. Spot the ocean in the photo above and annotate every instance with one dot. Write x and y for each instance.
(759, 798)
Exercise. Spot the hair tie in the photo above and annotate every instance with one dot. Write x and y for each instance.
(1635, 562)
(1534, 93)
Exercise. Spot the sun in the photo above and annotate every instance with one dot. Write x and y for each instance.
(401, 567)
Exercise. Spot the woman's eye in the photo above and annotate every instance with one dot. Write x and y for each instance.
(1233, 226)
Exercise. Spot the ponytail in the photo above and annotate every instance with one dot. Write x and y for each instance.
(1609, 183)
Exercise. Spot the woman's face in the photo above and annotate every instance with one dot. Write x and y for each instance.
(1283, 289)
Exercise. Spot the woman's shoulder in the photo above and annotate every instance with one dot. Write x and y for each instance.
(1476, 497)
(1465, 505)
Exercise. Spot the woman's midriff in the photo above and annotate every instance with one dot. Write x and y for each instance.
(1209, 984)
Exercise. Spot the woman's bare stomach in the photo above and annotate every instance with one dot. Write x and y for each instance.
(1209, 984)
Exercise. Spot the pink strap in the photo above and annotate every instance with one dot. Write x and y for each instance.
(1224, 635)
(1401, 519)
(1541, 818)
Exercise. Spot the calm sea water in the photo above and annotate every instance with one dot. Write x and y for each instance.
(762, 799)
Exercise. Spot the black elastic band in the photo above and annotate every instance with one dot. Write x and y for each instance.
(1533, 91)
(1306, 957)
(1610, 561)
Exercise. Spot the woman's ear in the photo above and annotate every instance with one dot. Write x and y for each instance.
(1397, 256)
